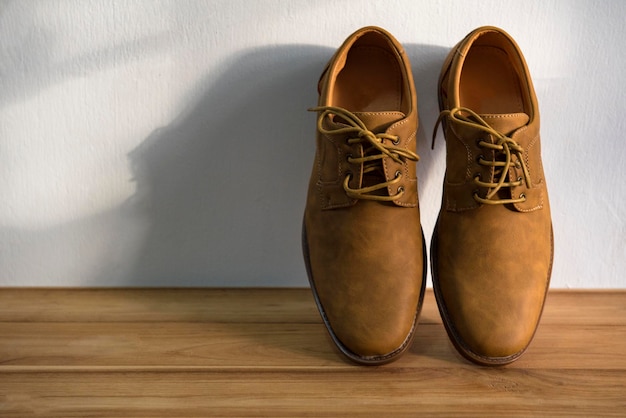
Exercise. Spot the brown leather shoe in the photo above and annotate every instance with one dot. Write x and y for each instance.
(362, 239)
(492, 246)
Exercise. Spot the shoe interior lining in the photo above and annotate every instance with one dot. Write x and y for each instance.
(371, 79)
(489, 82)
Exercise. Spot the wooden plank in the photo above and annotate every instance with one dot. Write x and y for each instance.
(264, 352)
(585, 307)
(378, 391)
(158, 305)
(274, 346)
(253, 305)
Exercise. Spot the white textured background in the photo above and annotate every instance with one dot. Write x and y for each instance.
(152, 143)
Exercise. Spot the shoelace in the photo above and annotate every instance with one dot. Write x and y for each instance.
(503, 144)
(374, 150)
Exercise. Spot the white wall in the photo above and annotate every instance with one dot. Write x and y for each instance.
(167, 143)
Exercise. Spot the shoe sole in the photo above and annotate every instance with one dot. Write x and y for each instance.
(364, 360)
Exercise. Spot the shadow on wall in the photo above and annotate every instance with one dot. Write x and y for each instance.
(223, 187)
(426, 62)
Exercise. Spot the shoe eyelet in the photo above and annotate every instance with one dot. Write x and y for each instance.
(396, 141)
(517, 164)
(348, 158)
(480, 157)
(522, 196)
(400, 189)
(478, 141)
(520, 178)
(478, 177)
(398, 174)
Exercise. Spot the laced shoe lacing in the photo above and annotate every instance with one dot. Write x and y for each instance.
(376, 147)
(503, 147)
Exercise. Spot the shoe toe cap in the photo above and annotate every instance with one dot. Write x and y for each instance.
(494, 343)
(493, 329)
(372, 320)
(374, 336)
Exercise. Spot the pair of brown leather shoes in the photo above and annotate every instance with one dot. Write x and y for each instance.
(363, 245)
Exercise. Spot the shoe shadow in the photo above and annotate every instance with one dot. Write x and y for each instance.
(223, 186)
(426, 62)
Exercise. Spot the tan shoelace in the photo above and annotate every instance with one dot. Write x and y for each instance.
(374, 150)
(503, 144)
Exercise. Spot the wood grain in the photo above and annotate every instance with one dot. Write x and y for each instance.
(265, 352)
(252, 305)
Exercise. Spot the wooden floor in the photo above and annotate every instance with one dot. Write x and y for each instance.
(265, 352)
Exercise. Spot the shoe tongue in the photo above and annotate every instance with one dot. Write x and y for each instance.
(378, 122)
(506, 123)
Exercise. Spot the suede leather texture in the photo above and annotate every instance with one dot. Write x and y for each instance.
(491, 263)
(365, 258)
